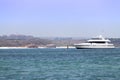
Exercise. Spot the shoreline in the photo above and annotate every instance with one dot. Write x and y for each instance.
(58, 47)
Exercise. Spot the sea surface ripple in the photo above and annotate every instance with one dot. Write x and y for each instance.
(60, 64)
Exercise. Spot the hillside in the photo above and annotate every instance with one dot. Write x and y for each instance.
(21, 40)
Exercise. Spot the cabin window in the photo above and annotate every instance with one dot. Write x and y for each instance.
(97, 42)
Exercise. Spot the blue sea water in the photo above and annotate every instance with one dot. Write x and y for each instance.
(60, 64)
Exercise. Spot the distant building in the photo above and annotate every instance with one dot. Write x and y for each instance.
(32, 46)
(51, 46)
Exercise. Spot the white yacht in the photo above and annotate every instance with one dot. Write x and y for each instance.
(99, 42)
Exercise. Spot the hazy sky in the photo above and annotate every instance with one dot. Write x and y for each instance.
(62, 18)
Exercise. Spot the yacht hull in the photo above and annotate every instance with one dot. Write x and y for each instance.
(93, 46)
